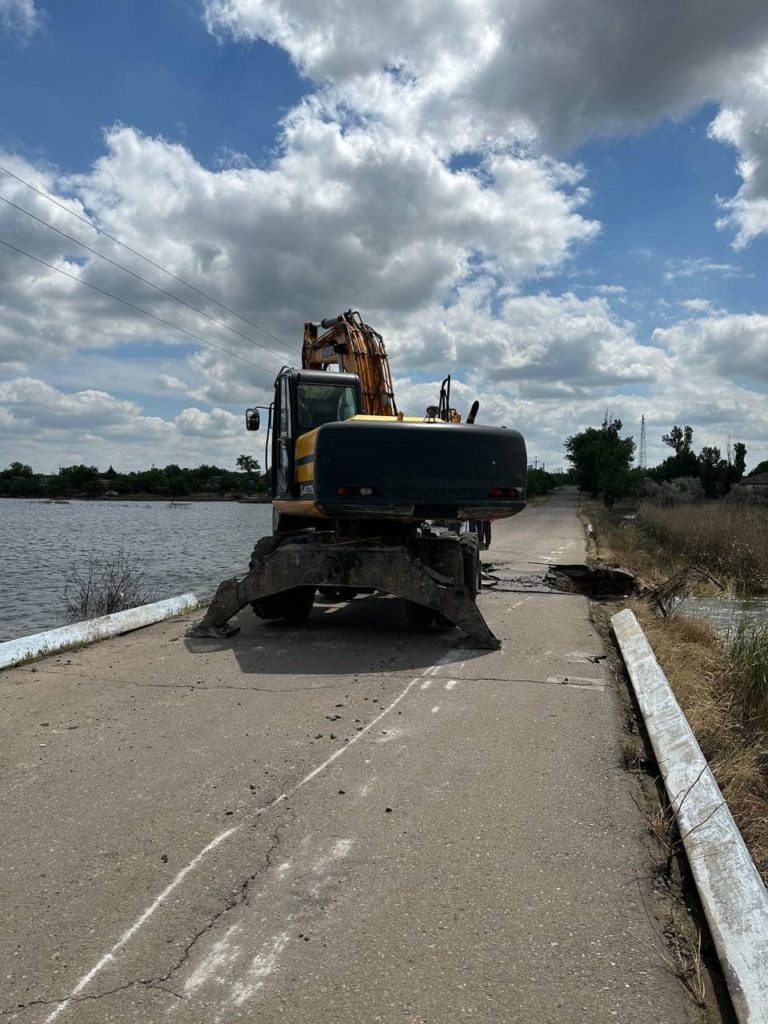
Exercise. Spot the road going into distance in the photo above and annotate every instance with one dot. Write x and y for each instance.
(339, 823)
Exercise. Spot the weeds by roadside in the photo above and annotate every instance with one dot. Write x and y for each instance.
(729, 540)
(104, 586)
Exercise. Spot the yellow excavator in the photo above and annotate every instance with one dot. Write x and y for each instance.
(367, 499)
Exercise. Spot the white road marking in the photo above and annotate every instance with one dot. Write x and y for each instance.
(435, 709)
(426, 684)
(130, 932)
(448, 658)
(450, 684)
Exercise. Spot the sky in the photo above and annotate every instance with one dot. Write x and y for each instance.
(561, 203)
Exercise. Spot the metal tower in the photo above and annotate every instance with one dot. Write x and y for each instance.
(642, 453)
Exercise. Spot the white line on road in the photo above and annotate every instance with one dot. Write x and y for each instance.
(450, 684)
(110, 956)
(448, 658)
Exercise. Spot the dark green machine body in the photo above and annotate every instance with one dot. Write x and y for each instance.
(418, 471)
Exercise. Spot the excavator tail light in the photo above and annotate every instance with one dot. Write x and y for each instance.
(509, 493)
(363, 492)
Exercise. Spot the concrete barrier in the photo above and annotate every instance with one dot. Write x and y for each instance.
(734, 898)
(13, 652)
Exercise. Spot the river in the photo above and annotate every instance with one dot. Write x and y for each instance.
(180, 547)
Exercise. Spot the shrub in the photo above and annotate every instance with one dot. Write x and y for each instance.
(104, 586)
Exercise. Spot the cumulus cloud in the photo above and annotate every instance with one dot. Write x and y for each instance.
(484, 75)
(743, 123)
(46, 426)
(732, 346)
(19, 17)
(566, 68)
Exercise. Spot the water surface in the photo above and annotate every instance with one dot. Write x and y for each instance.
(181, 547)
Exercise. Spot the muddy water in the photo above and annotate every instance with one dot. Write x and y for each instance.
(726, 614)
(181, 547)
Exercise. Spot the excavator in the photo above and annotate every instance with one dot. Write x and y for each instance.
(367, 499)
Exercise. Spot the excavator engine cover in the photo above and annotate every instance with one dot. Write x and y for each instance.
(385, 468)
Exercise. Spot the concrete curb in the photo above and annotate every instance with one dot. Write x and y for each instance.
(12, 652)
(734, 898)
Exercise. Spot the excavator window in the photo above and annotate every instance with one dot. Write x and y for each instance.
(324, 403)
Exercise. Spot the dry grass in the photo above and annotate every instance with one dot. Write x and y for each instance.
(715, 695)
(722, 687)
(729, 540)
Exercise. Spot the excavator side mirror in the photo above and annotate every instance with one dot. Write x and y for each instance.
(252, 419)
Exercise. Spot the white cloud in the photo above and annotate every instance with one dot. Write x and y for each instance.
(731, 347)
(698, 266)
(47, 427)
(743, 123)
(564, 68)
(19, 17)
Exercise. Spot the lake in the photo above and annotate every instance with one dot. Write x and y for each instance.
(180, 547)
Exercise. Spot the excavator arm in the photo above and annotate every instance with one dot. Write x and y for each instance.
(356, 348)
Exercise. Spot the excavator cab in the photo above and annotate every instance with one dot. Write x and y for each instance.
(304, 401)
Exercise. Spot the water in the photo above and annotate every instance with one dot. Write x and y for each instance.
(726, 613)
(180, 547)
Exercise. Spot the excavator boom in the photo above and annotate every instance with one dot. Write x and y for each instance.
(356, 348)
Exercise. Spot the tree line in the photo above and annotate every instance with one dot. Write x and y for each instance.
(602, 464)
(80, 481)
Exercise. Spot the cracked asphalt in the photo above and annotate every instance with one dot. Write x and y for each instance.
(342, 822)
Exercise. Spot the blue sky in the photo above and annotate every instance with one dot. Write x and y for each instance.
(563, 235)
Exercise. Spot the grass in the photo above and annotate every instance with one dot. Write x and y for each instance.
(728, 540)
(748, 653)
(723, 693)
(722, 686)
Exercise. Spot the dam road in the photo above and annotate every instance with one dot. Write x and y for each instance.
(346, 822)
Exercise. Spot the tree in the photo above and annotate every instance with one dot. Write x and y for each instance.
(247, 464)
(684, 462)
(679, 438)
(601, 460)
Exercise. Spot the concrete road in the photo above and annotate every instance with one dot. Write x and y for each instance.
(342, 822)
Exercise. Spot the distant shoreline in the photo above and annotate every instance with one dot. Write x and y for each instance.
(185, 500)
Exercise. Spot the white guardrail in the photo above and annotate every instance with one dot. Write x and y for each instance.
(734, 898)
(13, 652)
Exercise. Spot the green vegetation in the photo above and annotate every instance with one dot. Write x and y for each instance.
(20, 481)
(715, 474)
(540, 482)
(601, 460)
(748, 654)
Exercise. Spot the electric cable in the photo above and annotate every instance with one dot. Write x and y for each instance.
(138, 277)
(147, 259)
(131, 305)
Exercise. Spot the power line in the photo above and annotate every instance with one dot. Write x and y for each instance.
(141, 255)
(138, 277)
(125, 302)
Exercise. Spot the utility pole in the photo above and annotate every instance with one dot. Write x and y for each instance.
(642, 456)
